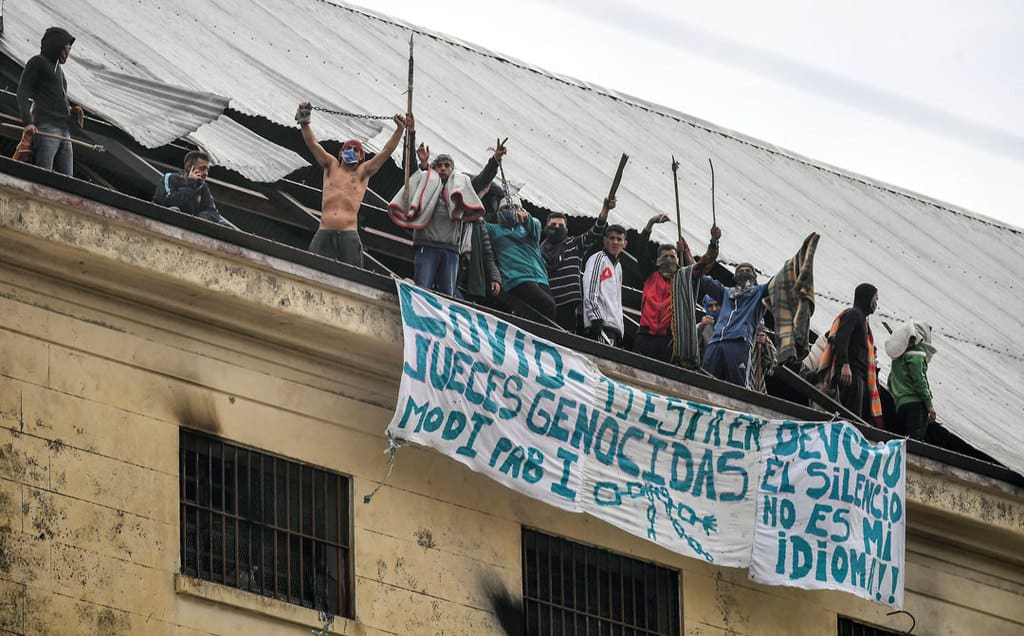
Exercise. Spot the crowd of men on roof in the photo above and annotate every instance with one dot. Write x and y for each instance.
(473, 240)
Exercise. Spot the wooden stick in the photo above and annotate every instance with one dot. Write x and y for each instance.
(618, 175)
(77, 142)
(675, 175)
(714, 220)
(408, 139)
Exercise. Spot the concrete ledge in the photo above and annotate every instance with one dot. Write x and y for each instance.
(258, 604)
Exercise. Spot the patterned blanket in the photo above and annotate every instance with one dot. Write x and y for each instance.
(791, 301)
(424, 190)
(685, 348)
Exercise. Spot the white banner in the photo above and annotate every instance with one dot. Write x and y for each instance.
(831, 511)
(544, 421)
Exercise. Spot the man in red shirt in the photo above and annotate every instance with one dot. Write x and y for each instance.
(654, 337)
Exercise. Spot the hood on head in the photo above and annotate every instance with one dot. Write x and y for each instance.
(54, 39)
(912, 333)
(491, 200)
(706, 302)
(863, 295)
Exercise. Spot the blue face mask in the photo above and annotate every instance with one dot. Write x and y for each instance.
(508, 216)
(348, 155)
(874, 306)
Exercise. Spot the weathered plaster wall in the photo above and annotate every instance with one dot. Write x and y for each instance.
(114, 331)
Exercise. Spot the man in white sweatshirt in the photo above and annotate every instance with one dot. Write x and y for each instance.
(602, 289)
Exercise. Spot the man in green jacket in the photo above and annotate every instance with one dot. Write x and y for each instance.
(910, 347)
(516, 243)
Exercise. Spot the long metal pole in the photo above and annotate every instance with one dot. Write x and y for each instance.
(408, 139)
(675, 177)
(714, 219)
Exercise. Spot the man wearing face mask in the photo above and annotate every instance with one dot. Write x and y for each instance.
(43, 102)
(563, 258)
(345, 181)
(440, 202)
(516, 242)
(667, 307)
(728, 354)
(706, 326)
(848, 366)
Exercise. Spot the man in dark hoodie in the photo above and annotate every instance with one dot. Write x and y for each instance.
(43, 102)
(853, 356)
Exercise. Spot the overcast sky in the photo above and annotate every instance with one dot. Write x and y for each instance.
(926, 95)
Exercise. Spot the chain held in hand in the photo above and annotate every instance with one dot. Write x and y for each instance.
(348, 114)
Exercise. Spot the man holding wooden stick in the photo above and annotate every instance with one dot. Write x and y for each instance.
(44, 106)
(345, 181)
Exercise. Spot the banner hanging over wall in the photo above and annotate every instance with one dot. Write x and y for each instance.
(544, 421)
(830, 511)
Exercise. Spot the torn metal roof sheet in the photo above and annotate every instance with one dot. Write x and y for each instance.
(930, 261)
(153, 112)
(237, 148)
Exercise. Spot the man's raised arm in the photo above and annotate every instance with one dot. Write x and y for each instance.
(371, 167)
(302, 115)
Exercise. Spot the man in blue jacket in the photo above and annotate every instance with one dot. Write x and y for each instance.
(728, 354)
(188, 191)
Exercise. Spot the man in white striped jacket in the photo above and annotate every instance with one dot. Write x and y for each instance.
(602, 289)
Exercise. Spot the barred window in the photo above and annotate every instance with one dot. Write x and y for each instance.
(571, 588)
(849, 627)
(265, 524)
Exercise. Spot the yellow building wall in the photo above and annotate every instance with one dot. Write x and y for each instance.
(108, 344)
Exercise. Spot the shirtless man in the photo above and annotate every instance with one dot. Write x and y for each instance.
(345, 180)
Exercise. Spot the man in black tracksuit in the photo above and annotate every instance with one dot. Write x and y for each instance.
(43, 102)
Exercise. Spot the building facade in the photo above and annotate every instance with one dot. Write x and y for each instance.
(189, 427)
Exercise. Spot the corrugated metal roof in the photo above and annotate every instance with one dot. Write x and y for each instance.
(152, 112)
(237, 148)
(929, 260)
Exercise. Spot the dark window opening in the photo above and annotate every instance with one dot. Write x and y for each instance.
(849, 627)
(264, 524)
(571, 588)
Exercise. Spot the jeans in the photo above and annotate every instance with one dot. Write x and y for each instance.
(53, 154)
(436, 266)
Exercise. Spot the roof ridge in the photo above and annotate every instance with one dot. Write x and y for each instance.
(696, 122)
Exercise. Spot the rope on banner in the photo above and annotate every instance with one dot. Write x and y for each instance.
(393, 445)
